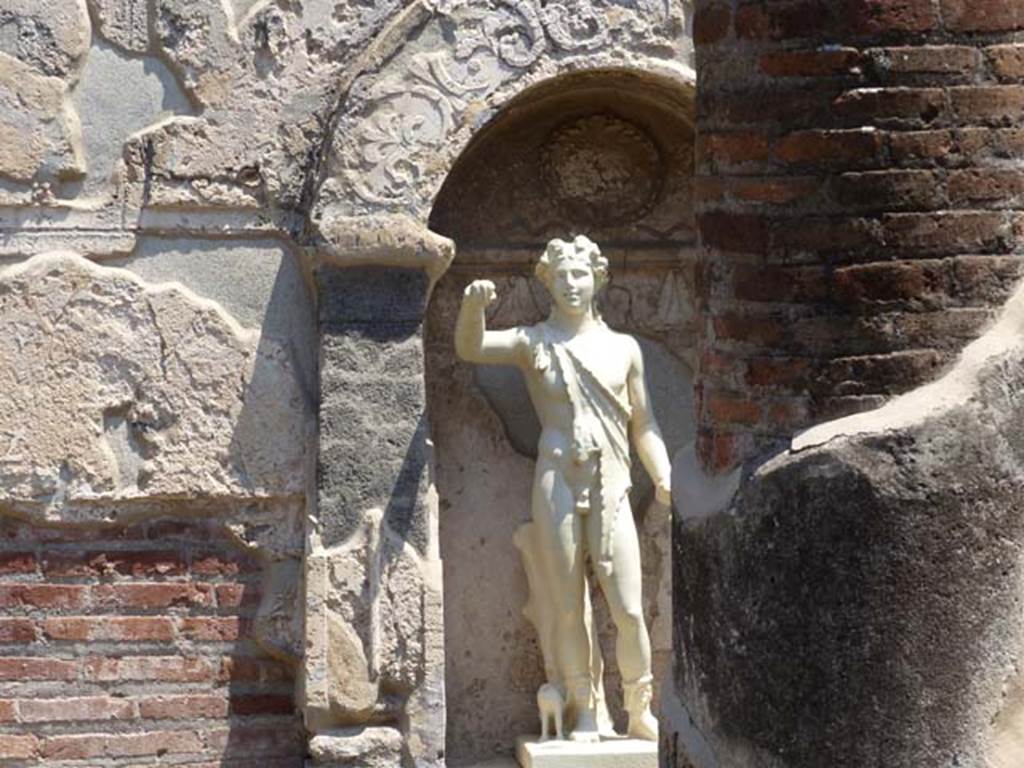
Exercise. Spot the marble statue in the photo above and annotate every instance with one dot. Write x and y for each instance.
(587, 385)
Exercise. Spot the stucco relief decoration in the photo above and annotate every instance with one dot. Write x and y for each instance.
(390, 142)
(603, 169)
(417, 110)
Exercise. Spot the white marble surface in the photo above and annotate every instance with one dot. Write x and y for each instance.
(501, 762)
(609, 753)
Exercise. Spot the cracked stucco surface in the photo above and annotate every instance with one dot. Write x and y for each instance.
(123, 390)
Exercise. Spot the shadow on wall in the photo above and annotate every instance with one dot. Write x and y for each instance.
(412, 475)
(280, 397)
(262, 285)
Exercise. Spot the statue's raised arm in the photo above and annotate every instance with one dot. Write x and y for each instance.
(473, 342)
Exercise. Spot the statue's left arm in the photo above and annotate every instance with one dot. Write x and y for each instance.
(644, 429)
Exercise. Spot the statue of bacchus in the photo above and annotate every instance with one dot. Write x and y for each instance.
(587, 385)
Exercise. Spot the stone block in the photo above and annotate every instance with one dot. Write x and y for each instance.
(372, 297)
(374, 451)
(885, 531)
(609, 753)
(369, 747)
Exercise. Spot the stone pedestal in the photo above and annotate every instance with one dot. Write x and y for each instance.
(609, 753)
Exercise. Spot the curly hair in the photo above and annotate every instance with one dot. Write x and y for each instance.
(581, 247)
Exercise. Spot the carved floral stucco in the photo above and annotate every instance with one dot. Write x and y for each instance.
(374, 100)
(402, 127)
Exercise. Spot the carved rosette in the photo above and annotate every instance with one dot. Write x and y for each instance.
(603, 170)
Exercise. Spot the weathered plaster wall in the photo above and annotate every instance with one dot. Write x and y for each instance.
(127, 401)
(126, 392)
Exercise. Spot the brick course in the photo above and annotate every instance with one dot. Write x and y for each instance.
(124, 650)
(858, 201)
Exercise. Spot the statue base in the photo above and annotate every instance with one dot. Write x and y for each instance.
(607, 753)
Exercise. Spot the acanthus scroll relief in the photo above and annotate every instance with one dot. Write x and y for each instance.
(391, 139)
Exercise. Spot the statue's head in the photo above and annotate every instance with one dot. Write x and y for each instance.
(573, 271)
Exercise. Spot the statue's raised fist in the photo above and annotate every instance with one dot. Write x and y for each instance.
(480, 292)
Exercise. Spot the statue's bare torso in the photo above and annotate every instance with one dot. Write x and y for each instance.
(608, 354)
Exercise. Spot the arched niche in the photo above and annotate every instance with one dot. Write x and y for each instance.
(606, 153)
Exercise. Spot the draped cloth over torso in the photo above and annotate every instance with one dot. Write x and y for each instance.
(600, 432)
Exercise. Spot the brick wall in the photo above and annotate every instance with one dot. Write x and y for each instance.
(859, 197)
(130, 647)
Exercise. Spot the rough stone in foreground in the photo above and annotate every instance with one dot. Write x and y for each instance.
(117, 391)
(860, 602)
(374, 653)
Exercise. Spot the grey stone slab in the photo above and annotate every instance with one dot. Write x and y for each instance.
(384, 302)
(260, 282)
(374, 436)
(116, 96)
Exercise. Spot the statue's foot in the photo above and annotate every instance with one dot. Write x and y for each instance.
(637, 695)
(643, 725)
(586, 727)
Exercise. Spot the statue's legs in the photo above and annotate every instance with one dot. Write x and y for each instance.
(561, 534)
(622, 589)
